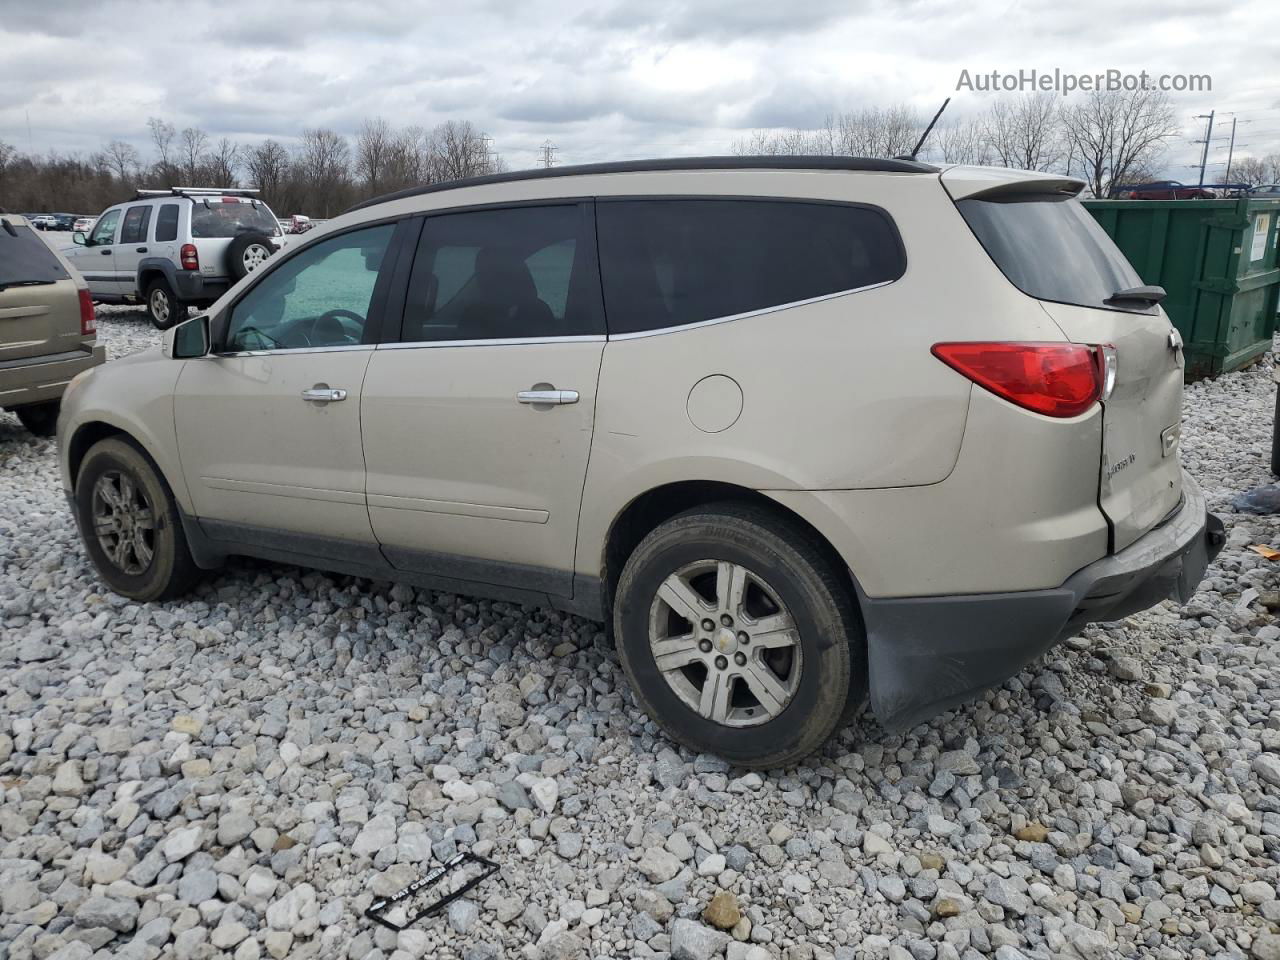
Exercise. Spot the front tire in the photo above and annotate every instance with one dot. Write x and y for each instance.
(129, 523)
(163, 307)
(40, 418)
(738, 634)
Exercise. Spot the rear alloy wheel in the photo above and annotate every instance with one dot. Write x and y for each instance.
(130, 525)
(163, 307)
(739, 635)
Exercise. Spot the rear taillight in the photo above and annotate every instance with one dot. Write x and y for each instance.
(1055, 379)
(190, 257)
(88, 322)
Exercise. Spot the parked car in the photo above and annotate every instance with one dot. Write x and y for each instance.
(1266, 190)
(1162, 190)
(83, 224)
(705, 399)
(63, 221)
(47, 330)
(43, 221)
(174, 249)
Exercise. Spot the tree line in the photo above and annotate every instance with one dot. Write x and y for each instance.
(321, 175)
(1104, 138)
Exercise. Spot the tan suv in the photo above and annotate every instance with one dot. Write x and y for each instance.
(807, 431)
(47, 332)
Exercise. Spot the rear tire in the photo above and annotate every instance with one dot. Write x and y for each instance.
(40, 418)
(163, 307)
(789, 612)
(129, 523)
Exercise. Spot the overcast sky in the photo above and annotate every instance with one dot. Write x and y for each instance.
(613, 79)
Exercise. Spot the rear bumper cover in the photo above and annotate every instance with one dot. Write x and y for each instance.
(927, 654)
(192, 285)
(43, 378)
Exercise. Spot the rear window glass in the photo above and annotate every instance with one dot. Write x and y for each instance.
(665, 263)
(1051, 248)
(167, 222)
(218, 218)
(25, 258)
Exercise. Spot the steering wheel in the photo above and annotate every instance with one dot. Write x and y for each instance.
(306, 330)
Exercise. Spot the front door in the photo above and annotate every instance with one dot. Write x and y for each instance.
(269, 425)
(95, 258)
(477, 424)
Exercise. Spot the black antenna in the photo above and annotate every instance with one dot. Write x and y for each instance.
(927, 130)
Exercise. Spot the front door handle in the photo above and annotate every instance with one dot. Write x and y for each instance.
(322, 394)
(106, 253)
(140, 249)
(547, 396)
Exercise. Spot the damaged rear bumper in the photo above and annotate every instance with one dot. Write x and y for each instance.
(927, 654)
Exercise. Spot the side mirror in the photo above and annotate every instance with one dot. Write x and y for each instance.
(78, 237)
(190, 339)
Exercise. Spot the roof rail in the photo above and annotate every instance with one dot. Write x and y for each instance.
(198, 191)
(671, 163)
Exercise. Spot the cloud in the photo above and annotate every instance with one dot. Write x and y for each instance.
(603, 79)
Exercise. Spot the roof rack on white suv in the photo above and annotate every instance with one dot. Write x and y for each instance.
(198, 191)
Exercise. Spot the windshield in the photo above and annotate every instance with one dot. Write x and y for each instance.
(25, 258)
(1050, 247)
(228, 218)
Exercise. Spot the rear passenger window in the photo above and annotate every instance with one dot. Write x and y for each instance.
(504, 274)
(665, 263)
(167, 222)
(134, 229)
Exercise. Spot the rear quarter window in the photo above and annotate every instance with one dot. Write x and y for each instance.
(1050, 247)
(25, 258)
(672, 262)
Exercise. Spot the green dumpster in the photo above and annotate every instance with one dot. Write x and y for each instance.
(1217, 261)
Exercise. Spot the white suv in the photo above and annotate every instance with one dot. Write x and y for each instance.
(175, 248)
(806, 431)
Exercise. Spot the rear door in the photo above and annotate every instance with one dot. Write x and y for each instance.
(477, 424)
(39, 305)
(1051, 248)
(135, 227)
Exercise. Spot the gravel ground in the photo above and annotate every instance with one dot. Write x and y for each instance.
(241, 773)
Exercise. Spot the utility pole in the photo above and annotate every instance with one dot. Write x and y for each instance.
(548, 153)
(1226, 177)
(1204, 156)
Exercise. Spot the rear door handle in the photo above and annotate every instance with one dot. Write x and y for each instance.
(140, 250)
(547, 396)
(323, 395)
(106, 253)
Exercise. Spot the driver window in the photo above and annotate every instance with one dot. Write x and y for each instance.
(105, 231)
(319, 298)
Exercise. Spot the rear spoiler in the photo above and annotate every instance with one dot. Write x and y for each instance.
(992, 182)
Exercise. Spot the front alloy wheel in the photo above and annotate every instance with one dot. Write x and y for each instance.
(725, 643)
(124, 522)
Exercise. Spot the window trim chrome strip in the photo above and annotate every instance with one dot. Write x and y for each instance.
(497, 342)
(638, 334)
(292, 350)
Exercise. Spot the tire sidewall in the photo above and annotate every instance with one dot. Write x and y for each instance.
(117, 455)
(823, 683)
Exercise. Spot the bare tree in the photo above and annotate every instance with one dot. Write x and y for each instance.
(1113, 135)
(875, 131)
(162, 134)
(774, 143)
(458, 150)
(374, 143)
(1025, 132)
(324, 162)
(224, 158)
(1249, 170)
(960, 141)
(267, 165)
(123, 160)
(194, 144)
